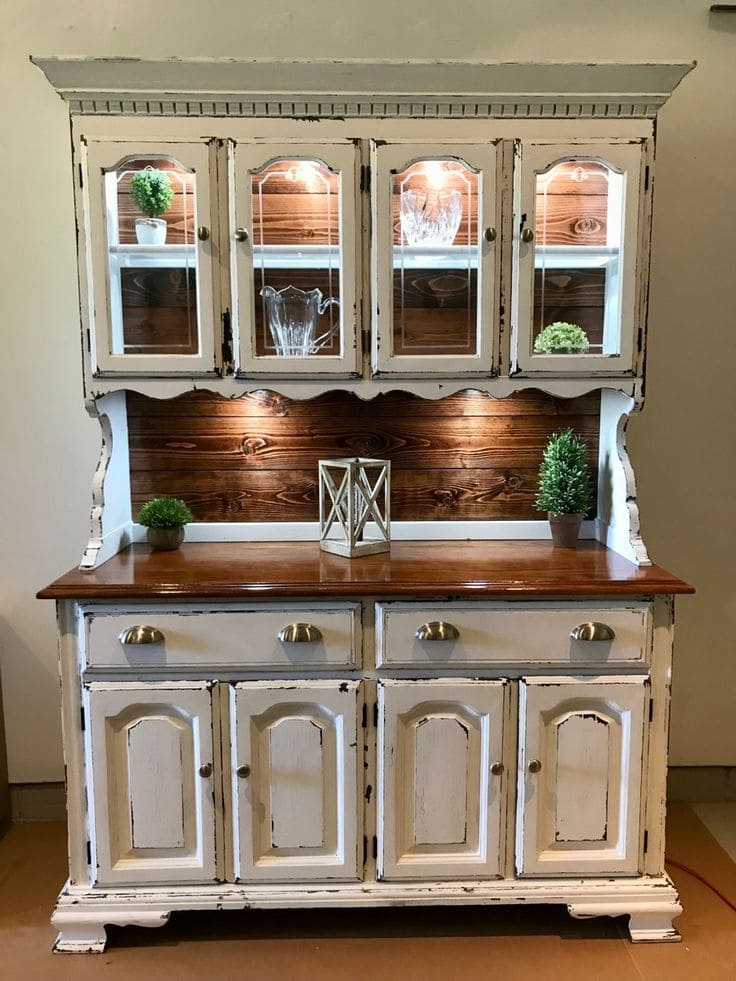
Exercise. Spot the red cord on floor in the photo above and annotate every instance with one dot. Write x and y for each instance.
(699, 877)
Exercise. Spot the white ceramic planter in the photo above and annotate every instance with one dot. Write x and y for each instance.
(150, 231)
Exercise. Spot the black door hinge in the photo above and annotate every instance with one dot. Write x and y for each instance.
(227, 342)
(651, 709)
(375, 847)
(82, 719)
(375, 715)
(365, 849)
(365, 178)
(646, 841)
(646, 178)
(364, 721)
(81, 176)
(89, 853)
(89, 342)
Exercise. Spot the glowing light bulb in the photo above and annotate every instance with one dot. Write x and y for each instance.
(436, 174)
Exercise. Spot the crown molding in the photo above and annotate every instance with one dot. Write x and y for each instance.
(358, 89)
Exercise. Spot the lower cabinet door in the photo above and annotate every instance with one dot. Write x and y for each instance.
(151, 782)
(580, 774)
(294, 774)
(441, 783)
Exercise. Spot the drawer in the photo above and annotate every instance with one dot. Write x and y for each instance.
(233, 636)
(510, 634)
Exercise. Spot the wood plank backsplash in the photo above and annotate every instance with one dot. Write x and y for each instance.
(254, 458)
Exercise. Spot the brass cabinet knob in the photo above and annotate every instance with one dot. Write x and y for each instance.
(241, 234)
(527, 235)
(592, 631)
(534, 766)
(203, 233)
(437, 630)
(490, 234)
(243, 771)
(497, 768)
(141, 634)
(300, 633)
(205, 770)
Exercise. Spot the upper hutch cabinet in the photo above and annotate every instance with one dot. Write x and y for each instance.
(434, 257)
(150, 276)
(576, 237)
(295, 258)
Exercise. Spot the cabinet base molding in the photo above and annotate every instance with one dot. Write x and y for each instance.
(82, 913)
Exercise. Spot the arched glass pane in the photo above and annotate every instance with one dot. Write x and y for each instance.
(577, 258)
(436, 256)
(151, 214)
(296, 259)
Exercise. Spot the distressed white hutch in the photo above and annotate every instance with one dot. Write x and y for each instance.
(476, 717)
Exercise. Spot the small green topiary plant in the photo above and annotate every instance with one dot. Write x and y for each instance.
(561, 338)
(165, 512)
(565, 486)
(151, 191)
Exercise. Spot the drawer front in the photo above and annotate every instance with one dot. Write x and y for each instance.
(509, 633)
(246, 637)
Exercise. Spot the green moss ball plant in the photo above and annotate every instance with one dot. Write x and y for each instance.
(562, 338)
(565, 486)
(165, 517)
(151, 191)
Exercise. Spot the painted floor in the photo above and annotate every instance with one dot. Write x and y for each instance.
(512, 944)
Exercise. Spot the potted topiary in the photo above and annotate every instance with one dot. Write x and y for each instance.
(152, 194)
(565, 487)
(561, 338)
(164, 517)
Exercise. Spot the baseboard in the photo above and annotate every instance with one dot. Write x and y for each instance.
(37, 802)
(693, 784)
(701, 784)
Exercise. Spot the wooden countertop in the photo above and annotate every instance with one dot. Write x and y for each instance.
(244, 570)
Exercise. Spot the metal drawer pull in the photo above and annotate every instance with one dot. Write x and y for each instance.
(203, 233)
(141, 635)
(437, 630)
(205, 770)
(490, 234)
(534, 766)
(243, 771)
(300, 633)
(592, 631)
(497, 769)
(241, 234)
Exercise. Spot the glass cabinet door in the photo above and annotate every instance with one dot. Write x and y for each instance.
(576, 229)
(151, 246)
(295, 258)
(434, 259)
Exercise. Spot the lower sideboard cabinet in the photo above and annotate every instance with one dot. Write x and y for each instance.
(510, 783)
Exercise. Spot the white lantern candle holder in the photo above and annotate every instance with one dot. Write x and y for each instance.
(354, 505)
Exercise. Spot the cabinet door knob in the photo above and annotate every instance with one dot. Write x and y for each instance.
(490, 234)
(437, 630)
(527, 235)
(141, 634)
(592, 631)
(534, 766)
(203, 233)
(497, 768)
(300, 633)
(205, 770)
(241, 234)
(243, 771)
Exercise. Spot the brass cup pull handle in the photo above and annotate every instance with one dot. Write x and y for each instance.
(497, 768)
(534, 766)
(592, 632)
(205, 770)
(490, 234)
(527, 235)
(203, 233)
(241, 234)
(437, 630)
(300, 633)
(243, 771)
(141, 634)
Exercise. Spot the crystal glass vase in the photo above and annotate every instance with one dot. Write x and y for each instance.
(430, 217)
(292, 316)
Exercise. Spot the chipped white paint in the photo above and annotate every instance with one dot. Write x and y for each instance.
(439, 806)
(579, 813)
(294, 813)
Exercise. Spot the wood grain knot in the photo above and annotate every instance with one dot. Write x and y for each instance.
(253, 445)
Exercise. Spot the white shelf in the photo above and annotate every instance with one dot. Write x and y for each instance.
(575, 256)
(152, 256)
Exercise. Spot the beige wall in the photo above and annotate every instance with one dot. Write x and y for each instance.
(683, 446)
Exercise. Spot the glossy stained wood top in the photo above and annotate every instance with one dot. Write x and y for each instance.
(263, 570)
